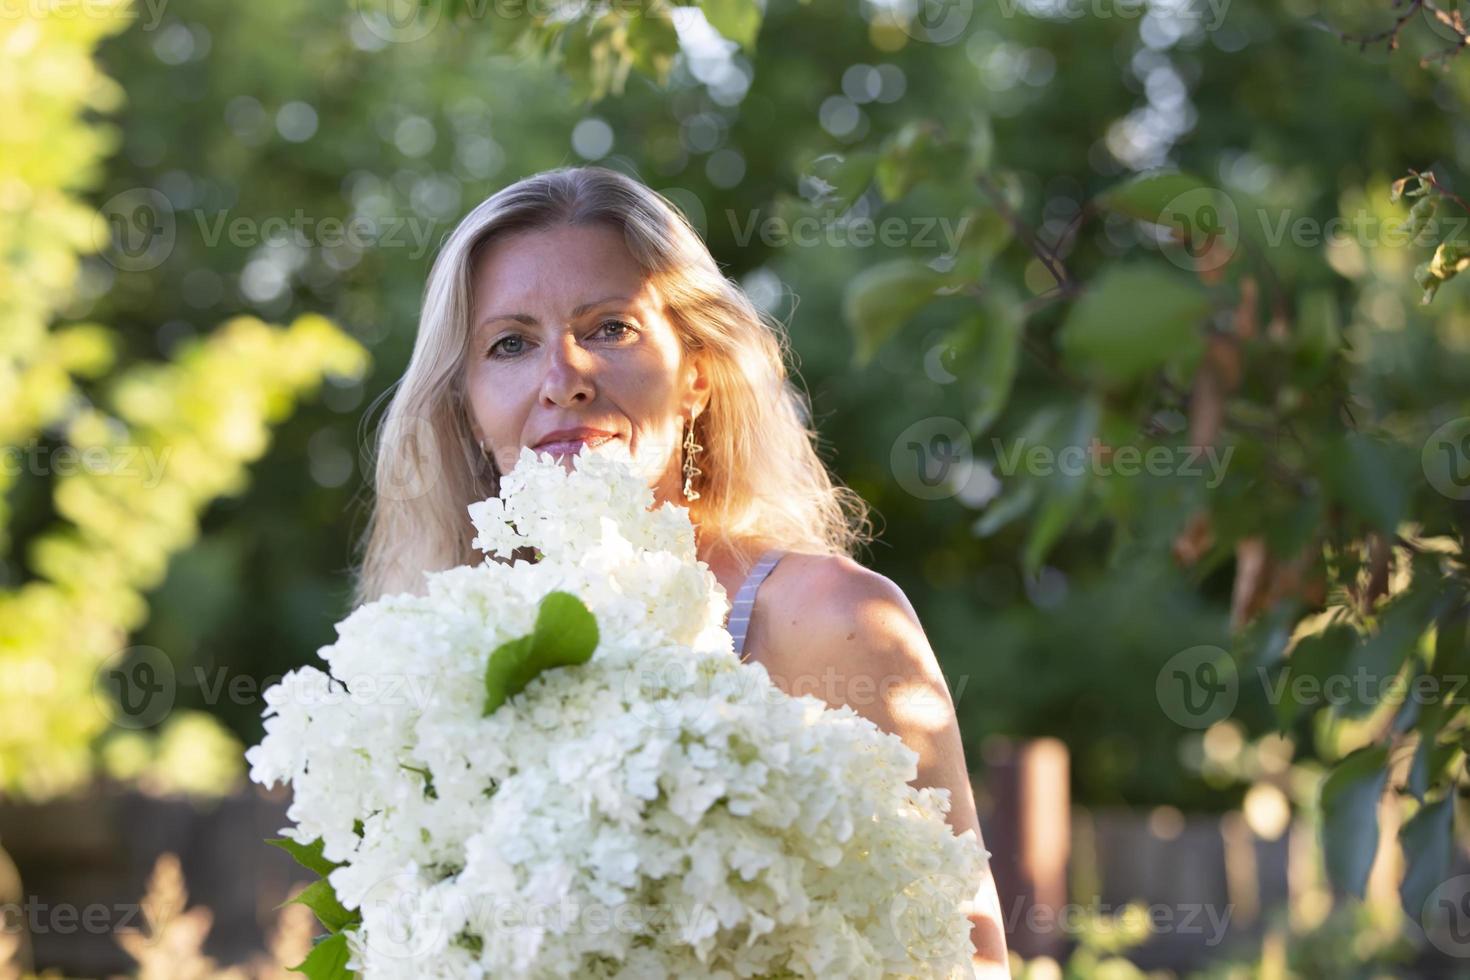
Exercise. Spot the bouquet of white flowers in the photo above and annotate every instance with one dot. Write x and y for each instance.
(559, 768)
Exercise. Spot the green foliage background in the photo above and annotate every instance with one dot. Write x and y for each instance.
(1054, 606)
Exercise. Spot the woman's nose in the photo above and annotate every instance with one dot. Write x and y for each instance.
(569, 370)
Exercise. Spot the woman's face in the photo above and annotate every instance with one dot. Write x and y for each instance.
(567, 332)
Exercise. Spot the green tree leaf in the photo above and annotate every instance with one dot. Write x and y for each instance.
(1428, 842)
(1157, 197)
(1381, 655)
(1450, 672)
(1313, 660)
(1067, 485)
(1350, 796)
(738, 20)
(986, 350)
(565, 634)
(1133, 320)
(840, 178)
(882, 298)
(653, 42)
(985, 234)
(1372, 477)
(982, 143)
(1432, 759)
(1319, 327)
(1451, 664)
(920, 150)
(1006, 508)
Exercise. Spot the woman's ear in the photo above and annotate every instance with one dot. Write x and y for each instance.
(696, 384)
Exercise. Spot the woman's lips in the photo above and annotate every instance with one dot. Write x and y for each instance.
(572, 446)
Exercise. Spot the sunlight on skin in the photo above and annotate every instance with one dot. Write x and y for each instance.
(922, 713)
(568, 331)
(847, 635)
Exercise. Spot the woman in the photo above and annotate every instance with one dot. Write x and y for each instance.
(577, 307)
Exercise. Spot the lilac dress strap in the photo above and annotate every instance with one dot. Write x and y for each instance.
(739, 619)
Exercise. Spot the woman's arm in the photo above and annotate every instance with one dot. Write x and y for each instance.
(847, 635)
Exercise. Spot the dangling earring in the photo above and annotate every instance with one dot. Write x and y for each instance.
(690, 470)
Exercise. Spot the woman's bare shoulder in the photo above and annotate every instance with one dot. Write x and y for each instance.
(806, 584)
(831, 610)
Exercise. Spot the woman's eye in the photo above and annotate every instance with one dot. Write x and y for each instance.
(621, 332)
(496, 350)
(618, 331)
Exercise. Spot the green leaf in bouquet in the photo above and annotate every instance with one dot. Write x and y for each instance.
(321, 898)
(565, 634)
(309, 855)
(327, 960)
(429, 791)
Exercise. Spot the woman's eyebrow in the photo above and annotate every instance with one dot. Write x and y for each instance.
(531, 321)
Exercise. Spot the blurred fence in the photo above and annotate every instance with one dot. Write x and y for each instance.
(1208, 883)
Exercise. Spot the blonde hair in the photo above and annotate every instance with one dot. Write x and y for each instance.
(762, 483)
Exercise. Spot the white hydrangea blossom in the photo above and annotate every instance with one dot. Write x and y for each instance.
(662, 810)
